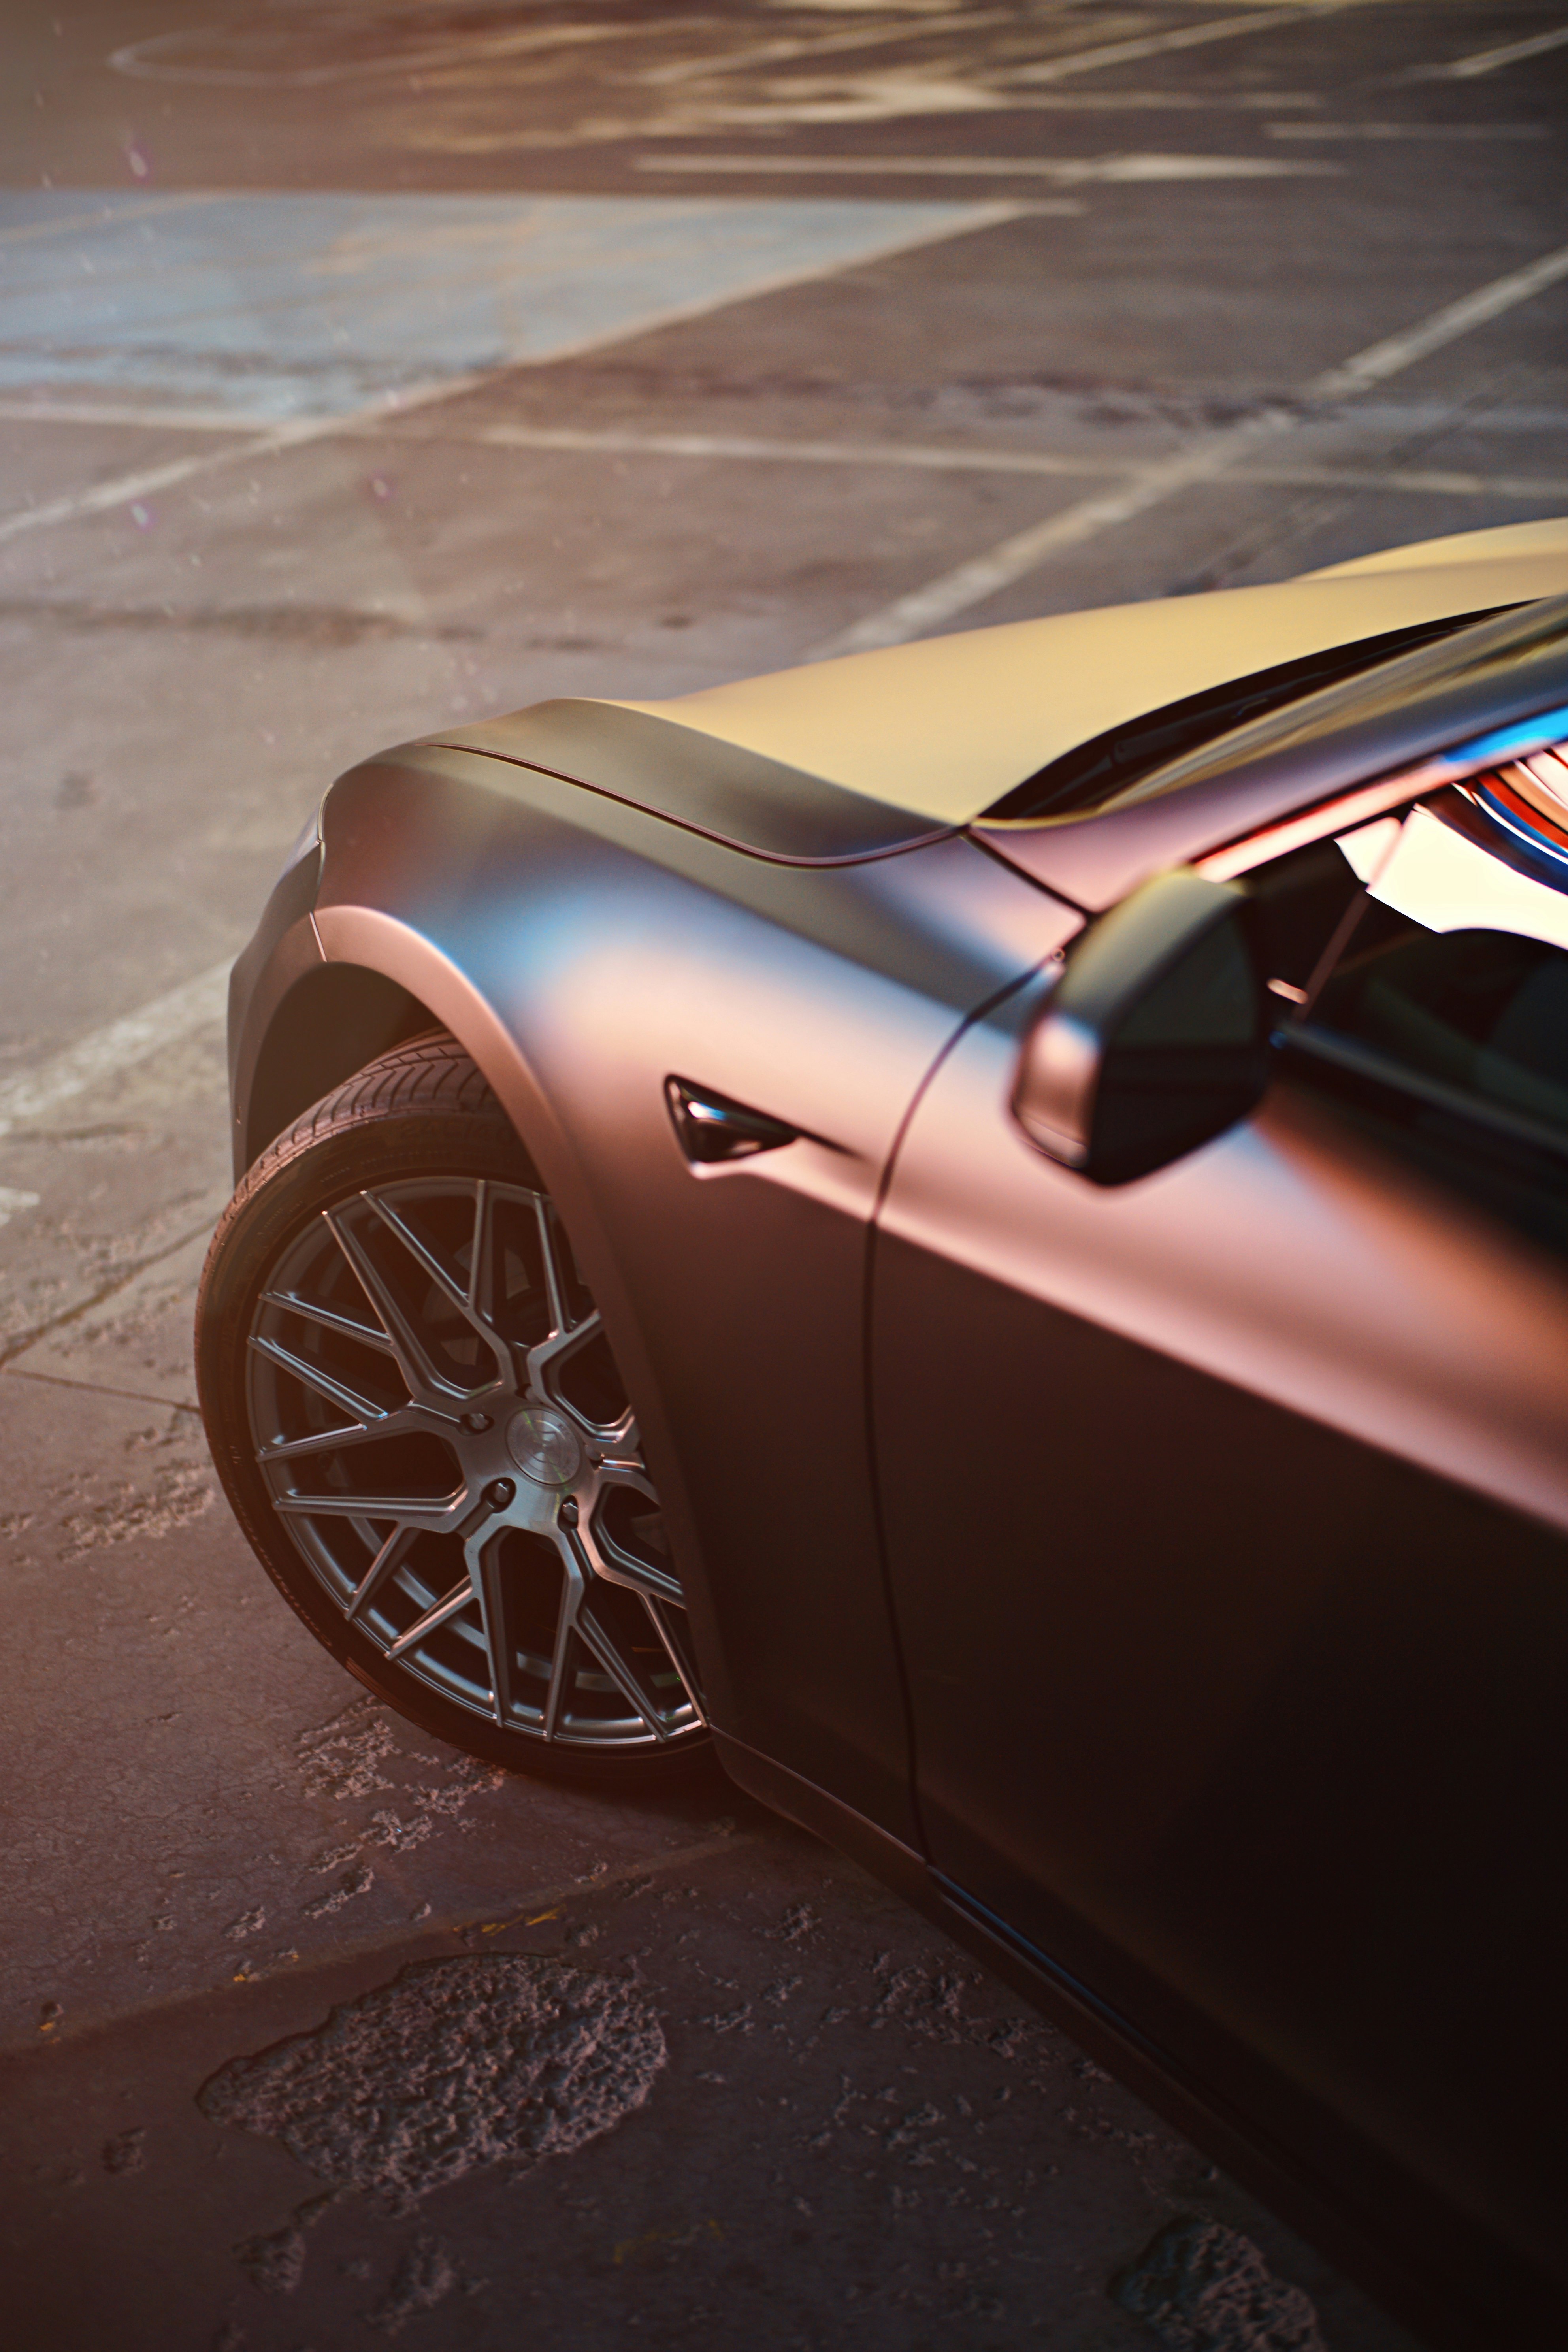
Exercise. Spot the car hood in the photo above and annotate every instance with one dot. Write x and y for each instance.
(871, 751)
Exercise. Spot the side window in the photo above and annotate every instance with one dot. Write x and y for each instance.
(1480, 1015)
(1440, 1019)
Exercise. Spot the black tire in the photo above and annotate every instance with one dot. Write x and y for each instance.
(391, 1315)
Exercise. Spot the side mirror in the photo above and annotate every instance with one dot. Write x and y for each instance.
(1156, 1037)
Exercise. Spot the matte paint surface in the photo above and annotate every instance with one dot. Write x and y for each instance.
(1244, 1721)
(577, 947)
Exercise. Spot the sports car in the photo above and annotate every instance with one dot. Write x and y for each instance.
(980, 1228)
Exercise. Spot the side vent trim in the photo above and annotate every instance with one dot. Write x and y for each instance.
(712, 1128)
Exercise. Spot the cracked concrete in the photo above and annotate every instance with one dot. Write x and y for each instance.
(483, 2133)
(1204, 2288)
(457, 2064)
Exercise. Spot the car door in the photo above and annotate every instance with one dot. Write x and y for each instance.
(1225, 1517)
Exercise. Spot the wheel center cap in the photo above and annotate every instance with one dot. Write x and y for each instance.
(544, 1445)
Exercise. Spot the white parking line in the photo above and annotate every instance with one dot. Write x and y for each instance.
(984, 575)
(128, 489)
(1065, 171)
(1012, 559)
(32, 1095)
(704, 64)
(923, 456)
(1451, 131)
(916, 457)
(1395, 352)
(1486, 61)
(944, 457)
(144, 59)
(1420, 480)
(1190, 37)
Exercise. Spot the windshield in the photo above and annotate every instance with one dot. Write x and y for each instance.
(1094, 774)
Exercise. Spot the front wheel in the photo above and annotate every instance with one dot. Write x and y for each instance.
(418, 1421)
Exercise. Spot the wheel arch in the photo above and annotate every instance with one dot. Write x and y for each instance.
(371, 981)
(391, 970)
(334, 1020)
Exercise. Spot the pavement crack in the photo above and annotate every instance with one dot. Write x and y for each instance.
(19, 1342)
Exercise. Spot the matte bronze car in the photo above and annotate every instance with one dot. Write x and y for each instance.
(983, 1226)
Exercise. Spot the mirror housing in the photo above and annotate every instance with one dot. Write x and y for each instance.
(1156, 1036)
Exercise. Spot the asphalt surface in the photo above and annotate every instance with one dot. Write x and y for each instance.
(362, 368)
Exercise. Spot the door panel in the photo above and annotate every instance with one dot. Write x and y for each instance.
(1225, 1519)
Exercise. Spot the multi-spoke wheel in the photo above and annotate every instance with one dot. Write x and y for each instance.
(415, 1409)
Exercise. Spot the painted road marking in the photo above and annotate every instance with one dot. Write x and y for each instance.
(1024, 551)
(151, 59)
(1406, 130)
(291, 306)
(159, 58)
(148, 60)
(941, 458)
(1067, 172)
(1013, 558)
(1395, 352)
(1190, 37)
(742, 448)
(923, 456)
(127, 488)
(1486, 61)
(706, 65)
(33, 1094)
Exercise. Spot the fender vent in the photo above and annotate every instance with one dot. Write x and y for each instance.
(712, 1128)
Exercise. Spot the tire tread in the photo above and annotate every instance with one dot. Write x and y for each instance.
(430, 1073)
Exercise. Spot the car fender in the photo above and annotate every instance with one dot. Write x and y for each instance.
(583, 950)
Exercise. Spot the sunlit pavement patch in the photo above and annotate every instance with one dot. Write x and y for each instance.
(454, 2067)
(283, 305)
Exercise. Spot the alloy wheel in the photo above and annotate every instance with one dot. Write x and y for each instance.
(440, 1422)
